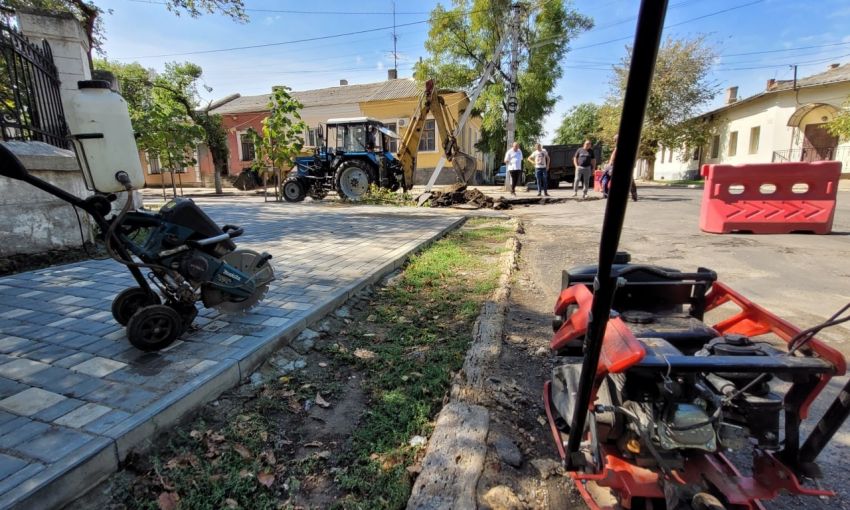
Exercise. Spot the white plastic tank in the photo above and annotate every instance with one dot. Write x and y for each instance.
(100, 126)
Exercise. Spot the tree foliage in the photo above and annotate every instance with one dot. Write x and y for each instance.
(579, 124)
(463, 38)
(681, 87)
(840, 123)
(281, 138)
(164, 110)
(91, 16)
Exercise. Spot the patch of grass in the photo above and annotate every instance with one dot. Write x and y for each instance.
(383, 196)
(426, 320)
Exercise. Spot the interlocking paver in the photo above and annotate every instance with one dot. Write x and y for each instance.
(68, 376)
(30, 401)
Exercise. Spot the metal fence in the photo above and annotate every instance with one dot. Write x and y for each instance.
(806, 154)
(30, 105)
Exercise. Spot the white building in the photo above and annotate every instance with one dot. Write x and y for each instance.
(785, 122)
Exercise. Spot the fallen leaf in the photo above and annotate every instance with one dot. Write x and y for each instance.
(264, 435)
(266, 479)
(323, 364)
(168, 500)
(242, 451)
(268, 457)
(313, 444)
(364, 354)
(216, 437)
(196, 434)
(231, 503)
(244, 473)
(322, 402)
(182, 461)
(370, 318)
(324, 454)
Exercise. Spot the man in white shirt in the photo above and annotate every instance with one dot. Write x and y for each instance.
(513, 164)
(540, 159)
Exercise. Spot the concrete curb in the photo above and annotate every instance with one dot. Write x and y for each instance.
(95, 461)
(455, 456)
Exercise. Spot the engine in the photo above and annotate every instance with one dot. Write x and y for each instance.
(656, 415)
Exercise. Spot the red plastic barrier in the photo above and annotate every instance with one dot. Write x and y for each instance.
(770, 198)
(597, 180)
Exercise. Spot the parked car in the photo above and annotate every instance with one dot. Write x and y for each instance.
(499, 178)
(501, 174)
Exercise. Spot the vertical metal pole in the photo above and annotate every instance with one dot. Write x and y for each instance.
(647, 39)
(512, 103)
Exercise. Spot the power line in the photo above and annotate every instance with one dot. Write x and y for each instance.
(268, 45)
(290, 11)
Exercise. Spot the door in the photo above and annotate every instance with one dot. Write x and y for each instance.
(818, 144)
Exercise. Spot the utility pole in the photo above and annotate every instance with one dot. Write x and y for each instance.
(395, 41)
(512, 102)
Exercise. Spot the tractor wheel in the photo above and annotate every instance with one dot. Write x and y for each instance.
(293, 190)
(154, 327)
(129, 301)
(352, 180)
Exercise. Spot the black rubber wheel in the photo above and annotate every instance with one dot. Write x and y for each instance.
(293, 190)
(154, 327)
(352, 180)
(129, 301)
(187, 313)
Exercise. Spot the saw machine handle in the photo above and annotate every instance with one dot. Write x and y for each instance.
(233, 231)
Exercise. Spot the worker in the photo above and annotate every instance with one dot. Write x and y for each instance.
(584, 162)
(370, 138)
(513, 164)
(540, 159)
(609, 170)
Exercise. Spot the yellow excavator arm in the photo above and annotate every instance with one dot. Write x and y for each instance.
(431, 101)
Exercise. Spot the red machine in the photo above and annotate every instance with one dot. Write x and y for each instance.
(649, 399)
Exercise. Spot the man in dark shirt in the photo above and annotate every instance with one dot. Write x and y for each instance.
(584, 161)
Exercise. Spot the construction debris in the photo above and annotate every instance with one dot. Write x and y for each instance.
(460, 195)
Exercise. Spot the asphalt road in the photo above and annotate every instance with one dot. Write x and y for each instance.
(803, 278)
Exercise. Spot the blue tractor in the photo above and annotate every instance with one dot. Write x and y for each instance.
(352, 154)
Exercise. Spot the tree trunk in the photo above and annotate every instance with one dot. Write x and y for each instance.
(217, 170)
(649, 174)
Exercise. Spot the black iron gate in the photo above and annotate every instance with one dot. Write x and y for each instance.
(30, 105)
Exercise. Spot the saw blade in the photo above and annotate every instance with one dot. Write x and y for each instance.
(246, 261)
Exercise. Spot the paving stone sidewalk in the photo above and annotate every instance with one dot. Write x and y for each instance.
(75, 397)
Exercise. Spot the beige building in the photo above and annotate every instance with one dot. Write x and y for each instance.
(785, 122)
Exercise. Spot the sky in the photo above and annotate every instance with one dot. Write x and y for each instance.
(755, 39)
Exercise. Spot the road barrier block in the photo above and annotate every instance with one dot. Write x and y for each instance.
(769, 198)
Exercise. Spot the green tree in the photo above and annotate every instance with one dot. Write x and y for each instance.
(281, 138)
(579, 124)
(463, 38)
(91, 16)
(840, 123)
(681, 88)
(180, 81)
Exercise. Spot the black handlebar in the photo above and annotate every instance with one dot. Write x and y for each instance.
(233, 231)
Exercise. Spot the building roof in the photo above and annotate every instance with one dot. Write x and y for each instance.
(837, 74)
(343, 94)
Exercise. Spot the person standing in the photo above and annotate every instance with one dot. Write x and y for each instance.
(584, 161)
(540, 159)
(513, 164)
(609, 169)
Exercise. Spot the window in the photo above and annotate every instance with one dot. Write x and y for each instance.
(755, 133)
(153, 164)
(733, 143)
(313, 137)
(715, 146)
(695, 156)
(247, 147)
(670, 156)
(392, 143)
(351, 138)
(428, 141)
(663, 153)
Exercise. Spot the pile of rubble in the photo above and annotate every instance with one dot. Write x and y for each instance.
(458, 195)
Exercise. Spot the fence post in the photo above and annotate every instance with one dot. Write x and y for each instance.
(70, 48)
